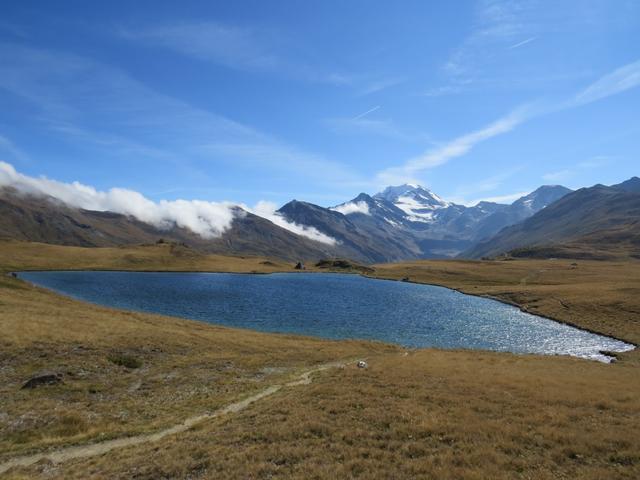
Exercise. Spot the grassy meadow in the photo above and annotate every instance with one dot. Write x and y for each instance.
(411, 414)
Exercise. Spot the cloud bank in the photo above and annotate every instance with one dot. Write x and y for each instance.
(268, 210)
(207, 219)
(352, 207)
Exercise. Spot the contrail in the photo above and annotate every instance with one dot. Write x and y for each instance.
(367, 112)
(524, 42)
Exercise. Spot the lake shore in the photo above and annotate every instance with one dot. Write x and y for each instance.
(426, 413)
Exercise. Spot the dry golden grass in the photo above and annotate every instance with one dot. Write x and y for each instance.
(186, 366)
(429, 414)
(16, 255)
(432, 414)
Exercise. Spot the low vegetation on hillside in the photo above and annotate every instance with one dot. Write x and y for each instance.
(410, 414)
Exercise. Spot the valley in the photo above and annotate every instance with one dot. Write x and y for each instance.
(433, 399)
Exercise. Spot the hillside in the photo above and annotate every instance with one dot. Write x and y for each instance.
(410, 222)
(402, 417)
(595, 222)
(44, 219)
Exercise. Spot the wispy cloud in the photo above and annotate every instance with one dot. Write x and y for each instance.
(272, 155)
(453, 149)
(508, 198)
(6, 145)
(596, 162)
(557, 176)
(99, 106)
(251, 48)
(497, 24)
(230, 45)
(484, 185)
(362, 124)
(488, 57)
(567, 173)
(268, 210)
(618, 81)
(371, 110)
(524, 42)
(378, 85)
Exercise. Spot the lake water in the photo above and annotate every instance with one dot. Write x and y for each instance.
(333, 306)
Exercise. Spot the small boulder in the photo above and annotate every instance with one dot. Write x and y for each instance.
(299, 266)
(362, 364)
(45, 379)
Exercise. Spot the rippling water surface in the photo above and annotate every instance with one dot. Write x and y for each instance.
(333, 306)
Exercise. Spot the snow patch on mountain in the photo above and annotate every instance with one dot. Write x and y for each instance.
(419, 204)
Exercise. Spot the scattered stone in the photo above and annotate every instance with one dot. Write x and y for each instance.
(126, 361)
(362, 364)
(45, 379)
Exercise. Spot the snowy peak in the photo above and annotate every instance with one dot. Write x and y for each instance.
(541, 197)
(417, 193)
(418, 203)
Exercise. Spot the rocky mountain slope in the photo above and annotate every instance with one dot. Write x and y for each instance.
(399, 223)
(409, 221)
(598, 221)
(47, 220)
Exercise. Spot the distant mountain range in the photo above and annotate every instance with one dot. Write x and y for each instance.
(409, 221)
(591, 222)
(47, 220)
(399, 223)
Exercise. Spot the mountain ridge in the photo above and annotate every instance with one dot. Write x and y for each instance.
(399, 223)
(598, 218)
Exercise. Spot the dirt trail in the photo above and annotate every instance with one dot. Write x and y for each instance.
(84, 451)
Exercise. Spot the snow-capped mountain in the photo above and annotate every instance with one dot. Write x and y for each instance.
(540, 198)
(418, 203)
(410, 221)
(376, 207)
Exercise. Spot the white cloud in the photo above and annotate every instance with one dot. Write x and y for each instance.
(371, 110)
(352, 207)
(455, 148)
(268, 210)
(621, 79)
(207, 219)
(523, 42)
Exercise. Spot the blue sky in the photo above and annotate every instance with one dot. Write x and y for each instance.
(249, 101)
